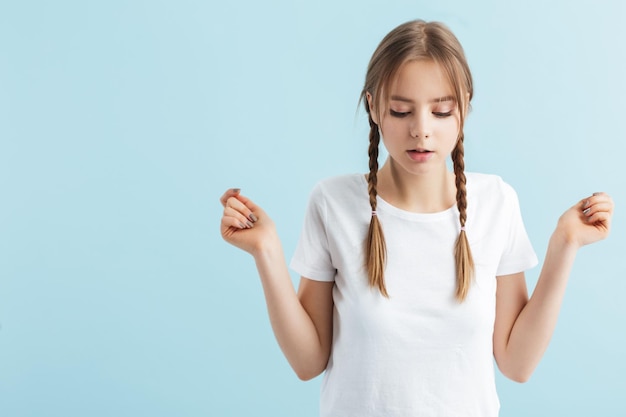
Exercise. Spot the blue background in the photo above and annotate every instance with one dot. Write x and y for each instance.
(122, 122)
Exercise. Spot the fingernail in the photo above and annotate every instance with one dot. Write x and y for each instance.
(597, 193)
(586, 204)
(249, 223)
(236, 190)
(586, 211)
(241, 225)
(253, 217)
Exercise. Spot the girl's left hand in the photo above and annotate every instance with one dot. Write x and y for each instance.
(588, 221)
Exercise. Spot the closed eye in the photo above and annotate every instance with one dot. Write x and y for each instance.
(442, 114)
(398, 113)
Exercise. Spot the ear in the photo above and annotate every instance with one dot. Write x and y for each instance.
(370, 104)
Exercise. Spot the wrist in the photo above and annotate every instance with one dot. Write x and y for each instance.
(267, 248)
(564, 240)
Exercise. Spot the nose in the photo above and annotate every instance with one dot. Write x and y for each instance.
(420, 126)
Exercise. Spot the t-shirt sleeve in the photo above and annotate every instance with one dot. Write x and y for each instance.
(518, 254)
(312, 257)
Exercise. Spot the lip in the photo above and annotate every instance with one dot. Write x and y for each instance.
(419, 154)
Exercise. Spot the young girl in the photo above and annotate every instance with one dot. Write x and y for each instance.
(412, 275)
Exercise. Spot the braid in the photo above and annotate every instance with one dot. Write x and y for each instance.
(459, 173)
(462, 252)
(375, 248)
(372, 178)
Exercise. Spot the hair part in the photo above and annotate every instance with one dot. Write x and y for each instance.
(416, 40)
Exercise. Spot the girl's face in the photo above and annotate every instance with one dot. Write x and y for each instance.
(420, 123)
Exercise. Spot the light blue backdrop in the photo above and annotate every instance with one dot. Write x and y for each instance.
(122, 122)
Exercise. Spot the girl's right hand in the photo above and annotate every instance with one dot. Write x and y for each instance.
(244, 224)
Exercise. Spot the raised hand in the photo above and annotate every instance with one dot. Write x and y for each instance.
(244, 224)
(588, 221)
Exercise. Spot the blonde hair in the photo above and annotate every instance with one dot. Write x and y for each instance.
(417, 40)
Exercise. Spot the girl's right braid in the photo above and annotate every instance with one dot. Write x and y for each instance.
(372, 178)
(375, 248)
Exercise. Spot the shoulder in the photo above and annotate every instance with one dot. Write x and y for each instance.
(341, 182)
(490, 186)
(493, 208)
(341, 197)
(343, 187)
(489, 193)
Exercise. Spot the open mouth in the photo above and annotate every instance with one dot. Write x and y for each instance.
(419, 155)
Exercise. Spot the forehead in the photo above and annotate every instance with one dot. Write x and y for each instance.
(421, 80)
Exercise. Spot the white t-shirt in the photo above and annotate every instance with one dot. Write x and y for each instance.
(419, 352)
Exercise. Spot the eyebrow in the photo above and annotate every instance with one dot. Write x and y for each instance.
(435, 100)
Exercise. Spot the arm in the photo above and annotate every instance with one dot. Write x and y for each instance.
(302, 323)
(523, 326)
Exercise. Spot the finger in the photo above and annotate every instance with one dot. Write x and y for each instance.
(248, 203)
(238, 205)
(601, 217)
(600, 197)
(238, 216)
(231, 192)
(595, 199)
(592, 206)
(598, 207)
(229, 223)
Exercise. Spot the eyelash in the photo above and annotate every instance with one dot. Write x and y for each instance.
(404, 114)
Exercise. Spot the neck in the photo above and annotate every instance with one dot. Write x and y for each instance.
(428, 192)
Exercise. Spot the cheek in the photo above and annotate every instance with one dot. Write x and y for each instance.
(448, 134)
(449, 125)
(390, 124)
(390, 131)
